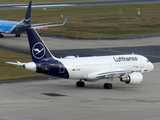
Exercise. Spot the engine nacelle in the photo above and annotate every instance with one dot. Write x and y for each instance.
(91, 77)
(30, 66)
(133, 78)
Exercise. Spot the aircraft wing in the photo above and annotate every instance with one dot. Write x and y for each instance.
(32, 25)
(116, 73)
(38, 27)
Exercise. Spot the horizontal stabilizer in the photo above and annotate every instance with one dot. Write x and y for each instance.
(16, 63)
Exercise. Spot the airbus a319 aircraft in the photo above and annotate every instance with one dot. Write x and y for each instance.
(17, 28)
(128, 68)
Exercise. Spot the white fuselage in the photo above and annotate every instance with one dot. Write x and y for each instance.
(80, 66)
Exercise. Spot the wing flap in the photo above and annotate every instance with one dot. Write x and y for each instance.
(116, 73)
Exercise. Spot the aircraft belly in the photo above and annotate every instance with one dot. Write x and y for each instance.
(79, 73)
(6, 26)
(53, 68)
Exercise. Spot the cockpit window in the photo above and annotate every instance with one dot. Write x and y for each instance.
(148, 61)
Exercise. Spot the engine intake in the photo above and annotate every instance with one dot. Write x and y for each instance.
(133, 78)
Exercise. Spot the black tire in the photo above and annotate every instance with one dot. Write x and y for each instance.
(1, 36)
(77, 84)
(17, 35)
(107, 86)
(80, 84)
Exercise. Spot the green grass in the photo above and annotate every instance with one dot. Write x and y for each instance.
(9, 71)
(105, 21)
(95, 21)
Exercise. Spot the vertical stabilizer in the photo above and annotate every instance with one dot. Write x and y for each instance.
(27, 16)
(38, 49)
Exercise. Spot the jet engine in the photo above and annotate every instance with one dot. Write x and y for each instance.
(30, 66)
(133, 78)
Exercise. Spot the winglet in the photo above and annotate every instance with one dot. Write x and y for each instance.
(65, 21)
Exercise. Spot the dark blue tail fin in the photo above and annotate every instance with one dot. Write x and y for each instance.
(38, 49)
(27, 16)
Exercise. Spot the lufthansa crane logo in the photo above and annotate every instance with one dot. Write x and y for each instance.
(38, 50)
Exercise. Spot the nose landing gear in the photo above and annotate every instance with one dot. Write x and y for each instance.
(80, 83)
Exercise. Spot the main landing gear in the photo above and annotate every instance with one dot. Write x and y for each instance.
(17, 35)
(1, 35)
(107, 86)
(80, 83)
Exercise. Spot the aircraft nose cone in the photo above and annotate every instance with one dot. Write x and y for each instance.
(152, 66)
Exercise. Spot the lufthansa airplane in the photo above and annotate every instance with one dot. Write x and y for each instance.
(128, 68)
(17, 28)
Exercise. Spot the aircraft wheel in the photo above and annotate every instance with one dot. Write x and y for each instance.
(107, 86)
(17, 35)
(80, 84)
(1, 36)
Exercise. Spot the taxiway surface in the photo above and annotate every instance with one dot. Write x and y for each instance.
(149, 46)
(80, 3)
(60, 99)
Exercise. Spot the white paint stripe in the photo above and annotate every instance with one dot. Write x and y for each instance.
(60, 5)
